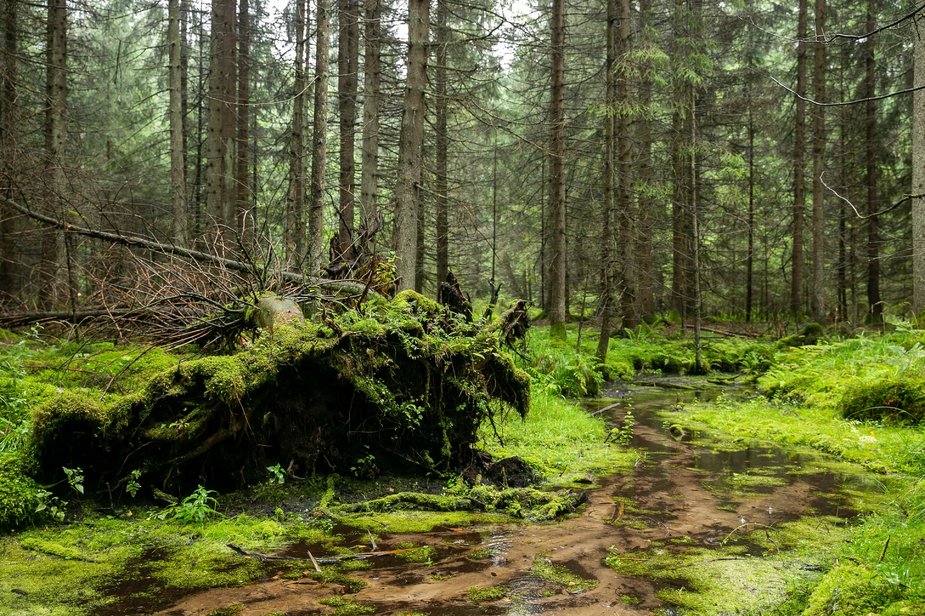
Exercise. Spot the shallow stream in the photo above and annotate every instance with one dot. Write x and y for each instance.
(691, 502)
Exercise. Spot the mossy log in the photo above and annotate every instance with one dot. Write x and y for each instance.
(403, 383)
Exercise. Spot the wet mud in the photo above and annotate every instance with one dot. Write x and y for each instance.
(681, 495)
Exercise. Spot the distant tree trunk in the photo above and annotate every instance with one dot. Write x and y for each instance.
(819, 74)
(243, 214)
(556, 223)
(370, 170)
(875, 307)
(799, 162)
(11, 267)
(319, 142)
(220, 132)
(646, 262)
(750, 222)
(348, 27)
(411, 141)
(177, 146)
(918, 169)
(624, 184)
(197, 214)
(56, 104)
(441, 146)
(682, 291)
(607, 185)
(294, 232)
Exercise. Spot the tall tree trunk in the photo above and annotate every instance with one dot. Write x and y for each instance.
(441, 146)
(799, 162)
(198, 230)
(411, 141)
(348, 27)
(819, 75)
(607, 185)
(177, 147)
(918, 168)
(243, 214)
(294, 232)
(647, 276)
(750, 222)
(319, 142)
(624, 178)
(370, 170)
(53, 250)
(220, 131)
(556, 223)
(875, 307)
(11, 267)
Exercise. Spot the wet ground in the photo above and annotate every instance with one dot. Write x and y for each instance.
(682, 495)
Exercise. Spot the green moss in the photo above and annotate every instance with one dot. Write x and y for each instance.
(486, 593)
(560, 439)
(416, 553)
(344, 606)
(22, 500)
(231, 610)
(850, 588)
(545, 569)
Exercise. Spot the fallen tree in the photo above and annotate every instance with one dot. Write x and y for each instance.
(400, 383)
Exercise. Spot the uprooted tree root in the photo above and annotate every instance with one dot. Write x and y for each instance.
(400, 384)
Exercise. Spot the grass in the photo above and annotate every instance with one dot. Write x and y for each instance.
(809, 394)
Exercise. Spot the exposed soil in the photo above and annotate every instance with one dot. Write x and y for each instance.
(679, 490)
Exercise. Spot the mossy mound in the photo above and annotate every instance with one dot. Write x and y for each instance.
(398, 384)
(22, 500)
(853, 589)
(898, 399)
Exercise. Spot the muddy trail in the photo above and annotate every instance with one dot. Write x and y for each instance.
(680, 496)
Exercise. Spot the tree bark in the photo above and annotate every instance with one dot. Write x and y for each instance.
(348, 27)
(875, 306)
(607, 184)
(647, 276)
(370, 169)
(411, 141)
(556, 223)
(177, 148)
(918, 168)
(294, 232)
(220, 130)
(319, 142)
(819, 74)
(243, 214)
(56, 103)
(441, 146)
(799, 181)
(624, 178)
(11, 269)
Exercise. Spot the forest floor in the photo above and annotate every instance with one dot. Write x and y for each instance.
(703, 496)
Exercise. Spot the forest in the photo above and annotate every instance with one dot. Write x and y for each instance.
(462, 307)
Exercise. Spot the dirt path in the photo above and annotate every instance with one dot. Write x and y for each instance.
(677, 491)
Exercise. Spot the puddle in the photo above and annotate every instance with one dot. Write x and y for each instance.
(682, 496)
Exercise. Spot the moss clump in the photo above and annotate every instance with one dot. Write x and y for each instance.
(899, 399)
(545, 569)
(347, 607)
(401, 383)
(22, 500)
(850, 588)
(486, 593)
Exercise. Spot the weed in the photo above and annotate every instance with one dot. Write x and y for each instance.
(195, 508)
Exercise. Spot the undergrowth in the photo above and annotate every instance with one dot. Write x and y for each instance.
(861, 400)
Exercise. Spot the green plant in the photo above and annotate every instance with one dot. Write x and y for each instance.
(133, 486)
(277, 474)
(197, 507)
(75, 478)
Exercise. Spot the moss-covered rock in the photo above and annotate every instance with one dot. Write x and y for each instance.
(22, 500)
(400, 384)
(899, 399)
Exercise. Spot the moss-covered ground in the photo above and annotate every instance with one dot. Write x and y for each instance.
(832, 398)
(857, 400)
